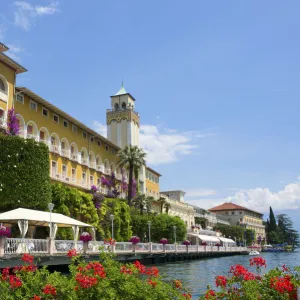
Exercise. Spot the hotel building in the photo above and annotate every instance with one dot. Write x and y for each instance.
(239, 215)
(79, 156)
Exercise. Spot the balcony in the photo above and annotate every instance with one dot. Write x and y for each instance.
(100, 168)
(2, 122)
(45, 142)
(85, 162)
(93, 165)
(65, 153)
(32, 136)
(54, 149)
(107, 171)
(74, 157)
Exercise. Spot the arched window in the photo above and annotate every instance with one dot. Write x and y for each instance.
(123, 105)
(117, 106)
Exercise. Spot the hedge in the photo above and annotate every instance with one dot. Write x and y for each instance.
(24, 174)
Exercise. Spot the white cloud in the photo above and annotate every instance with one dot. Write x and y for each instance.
(25, 15)
(100, 128)
(200, 192)
(14, 51)
(162, 146)
(261, 199)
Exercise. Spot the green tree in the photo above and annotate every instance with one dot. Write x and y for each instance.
(167, 207)
(162, 226)
(285, 228)
(131, 158)
(272, 225)
(143, 203)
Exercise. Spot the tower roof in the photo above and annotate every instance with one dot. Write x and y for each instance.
(121, 91)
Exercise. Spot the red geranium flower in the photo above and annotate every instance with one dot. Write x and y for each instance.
(72, 253)
(258, 262)
(221, 281)
(27, 258)
(187, 295)
(14, 281)
(153, 283)
(49, 290)
(35, 297)
(210, 294)
(178, 284)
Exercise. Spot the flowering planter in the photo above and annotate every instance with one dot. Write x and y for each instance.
(85, 238)
(134, 240)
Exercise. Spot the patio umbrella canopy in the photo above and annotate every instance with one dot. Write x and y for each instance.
(39, 218)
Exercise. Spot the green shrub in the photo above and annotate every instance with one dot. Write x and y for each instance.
(161, 227)
(24, 174)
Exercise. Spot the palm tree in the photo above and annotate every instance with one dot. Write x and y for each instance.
(167, 207)
(161, 201)
(131, 158)
(143, 202)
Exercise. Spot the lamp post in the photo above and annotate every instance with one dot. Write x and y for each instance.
(174, 228)
(149, 226)
(112, 225)
(50, 206)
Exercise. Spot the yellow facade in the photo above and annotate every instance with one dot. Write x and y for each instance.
(79, 156)
(152, 183)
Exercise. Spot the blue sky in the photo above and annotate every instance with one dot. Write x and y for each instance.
(216, 84)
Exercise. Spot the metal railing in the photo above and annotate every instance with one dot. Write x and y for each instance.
(19, 246)
(36, 246)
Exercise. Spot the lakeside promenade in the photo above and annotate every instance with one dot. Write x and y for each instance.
(54, 252)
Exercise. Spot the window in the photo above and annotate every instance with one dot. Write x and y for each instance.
(123, 105)
(241, 212)
(84, 134)
(45, 112)
(53, 165)
(232, 212)
(64, 169)
(91, 180)
(29, 129)
(83, 176)
(19, 98)
(66, 124)
(91, 139)
(99, 143)
(55, 118)
(73, 173)
(2, 85)
(33, 105)
(98, 181)
(63, 145)
(106, 148)
(42, 135)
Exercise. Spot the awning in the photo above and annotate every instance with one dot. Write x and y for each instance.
(226, 240)
(39, 218)
(208, 238)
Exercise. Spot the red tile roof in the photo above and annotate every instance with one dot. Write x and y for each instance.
(231, 206)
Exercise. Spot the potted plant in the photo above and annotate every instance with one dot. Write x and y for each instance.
(163, 241)
(218, 245)
(203, 243)
(85, 237)
(134, 240)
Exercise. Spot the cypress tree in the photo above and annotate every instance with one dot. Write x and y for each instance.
(272, 225)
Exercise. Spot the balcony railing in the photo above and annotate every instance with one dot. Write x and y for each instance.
(54, 149)
(84, 161)
(93, 165)
(65, 153)
(32, 136)
(2, 122)
(44, 141)
(74, 156)
(107, 171)
(100, 168)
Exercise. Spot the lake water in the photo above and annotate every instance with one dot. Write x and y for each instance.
(196, 274)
